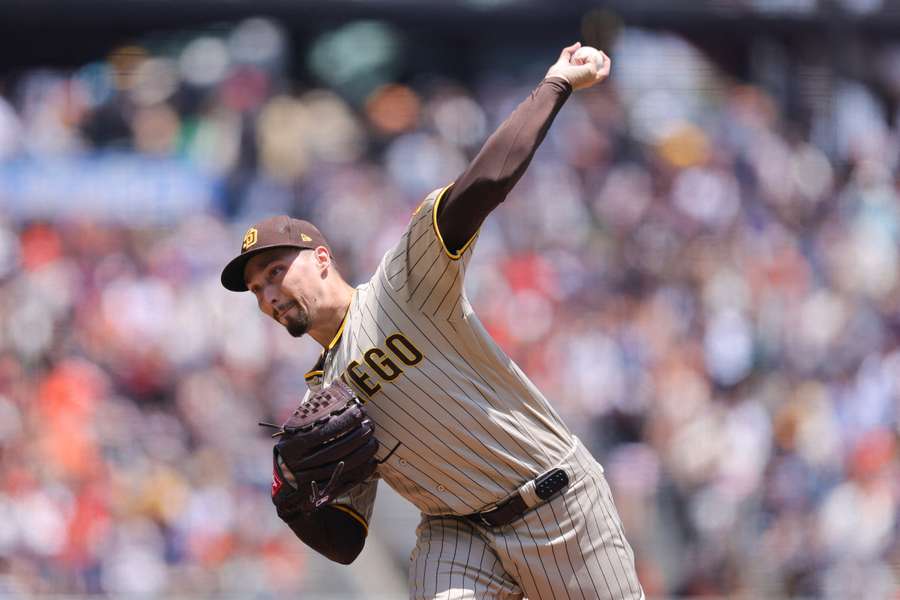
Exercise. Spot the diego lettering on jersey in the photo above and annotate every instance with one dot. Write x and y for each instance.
(382, 364)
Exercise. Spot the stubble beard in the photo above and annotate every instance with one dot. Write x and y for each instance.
(299, 325)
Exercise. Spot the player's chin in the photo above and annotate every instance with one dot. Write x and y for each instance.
(297, 327)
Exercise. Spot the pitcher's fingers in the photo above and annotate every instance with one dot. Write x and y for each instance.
(568, 51)
(604, 66)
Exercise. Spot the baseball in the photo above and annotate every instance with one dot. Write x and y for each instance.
(586, 53)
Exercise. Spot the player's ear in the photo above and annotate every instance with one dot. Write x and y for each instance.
(322, 259)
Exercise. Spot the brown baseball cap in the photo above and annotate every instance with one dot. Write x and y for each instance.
(275, 232)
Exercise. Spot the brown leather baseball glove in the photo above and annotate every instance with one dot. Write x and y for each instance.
(327, 446)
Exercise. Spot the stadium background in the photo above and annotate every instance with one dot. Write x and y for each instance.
(700, 268)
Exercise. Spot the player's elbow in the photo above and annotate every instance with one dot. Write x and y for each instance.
(348, 536)
(333, 533)
(348, 552)
(342, 548)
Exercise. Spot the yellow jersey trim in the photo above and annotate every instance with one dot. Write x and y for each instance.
(316, 370)
(434, 212)
(340, 331)
(359, 518)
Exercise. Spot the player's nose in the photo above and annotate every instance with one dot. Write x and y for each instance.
(270, 296)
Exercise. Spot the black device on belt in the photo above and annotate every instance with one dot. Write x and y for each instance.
(545, 486)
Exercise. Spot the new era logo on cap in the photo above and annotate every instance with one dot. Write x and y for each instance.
(275, 232)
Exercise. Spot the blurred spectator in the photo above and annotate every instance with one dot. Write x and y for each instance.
(712, 299)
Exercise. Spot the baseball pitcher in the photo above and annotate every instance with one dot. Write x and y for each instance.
(410, 389)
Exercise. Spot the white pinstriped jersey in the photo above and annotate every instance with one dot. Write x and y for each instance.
(462, 424)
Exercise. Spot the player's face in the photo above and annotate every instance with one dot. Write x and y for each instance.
(284, 283)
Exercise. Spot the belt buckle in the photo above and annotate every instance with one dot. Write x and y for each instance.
(483, 519)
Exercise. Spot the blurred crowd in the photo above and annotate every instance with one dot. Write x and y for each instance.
(706, 291)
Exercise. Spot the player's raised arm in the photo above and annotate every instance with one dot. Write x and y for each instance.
(506, 154)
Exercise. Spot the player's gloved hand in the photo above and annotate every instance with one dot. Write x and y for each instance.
(581, 66)
(325, 448)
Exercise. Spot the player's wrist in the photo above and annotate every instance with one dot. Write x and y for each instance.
(559, 82)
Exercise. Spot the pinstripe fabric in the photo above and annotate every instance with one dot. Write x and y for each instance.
(452, 561)
(571, 547)
(470, 425)
(462, 428)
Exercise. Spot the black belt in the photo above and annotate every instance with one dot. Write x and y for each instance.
(545, 486)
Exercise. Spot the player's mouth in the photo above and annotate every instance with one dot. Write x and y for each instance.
(282, 309)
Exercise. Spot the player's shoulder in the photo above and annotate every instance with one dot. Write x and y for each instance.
(420, 217)
(423, 206)
(424, 216)
(432, 199)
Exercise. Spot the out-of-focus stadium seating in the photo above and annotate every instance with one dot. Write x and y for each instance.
(710, 289)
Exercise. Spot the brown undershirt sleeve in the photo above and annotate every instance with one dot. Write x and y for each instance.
(500, 164)
(332, 532)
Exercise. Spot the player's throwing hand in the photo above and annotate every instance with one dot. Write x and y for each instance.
(581, 66)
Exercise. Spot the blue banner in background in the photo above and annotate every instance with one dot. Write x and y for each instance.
(124, 188)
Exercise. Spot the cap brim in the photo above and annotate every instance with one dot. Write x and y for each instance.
(233, 273)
